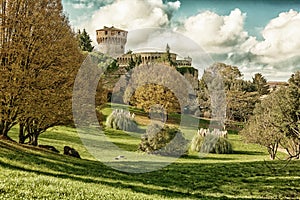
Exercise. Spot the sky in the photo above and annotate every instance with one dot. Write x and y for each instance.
(256, 36)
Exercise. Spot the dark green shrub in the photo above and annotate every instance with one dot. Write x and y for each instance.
(216, 144)
(164, 141)
(121, 120)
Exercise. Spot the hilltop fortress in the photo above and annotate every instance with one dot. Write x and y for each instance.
(112, 42)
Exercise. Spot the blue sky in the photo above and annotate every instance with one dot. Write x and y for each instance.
(259, 12)
(257, 36)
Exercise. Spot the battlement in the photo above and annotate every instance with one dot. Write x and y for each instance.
(111, 40)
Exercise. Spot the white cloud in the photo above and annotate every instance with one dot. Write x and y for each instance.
(277, 56)
(174, 5)
(215, 33)
(132, 14)
(281, 38)
(224, 37)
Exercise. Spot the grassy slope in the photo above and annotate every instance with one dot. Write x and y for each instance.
(29, 174)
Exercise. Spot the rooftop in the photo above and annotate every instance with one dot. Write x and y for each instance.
(105, 28)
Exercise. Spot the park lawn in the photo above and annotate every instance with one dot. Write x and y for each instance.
(30, 173)
(27, 174)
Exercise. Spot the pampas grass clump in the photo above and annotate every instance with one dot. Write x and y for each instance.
(121, 119)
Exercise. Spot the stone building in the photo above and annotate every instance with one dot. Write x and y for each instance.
(111, 40)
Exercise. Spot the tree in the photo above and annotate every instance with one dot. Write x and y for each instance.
(230, 74)
(39, 61)
(240, 105)
(85, 42)
(259, 129)
(151, 94)
(290, 114)
(260, 84)
(168, 54)
(133, 62)
(220, 79)
(276, 121)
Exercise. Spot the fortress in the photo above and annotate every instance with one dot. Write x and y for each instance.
(112, 42)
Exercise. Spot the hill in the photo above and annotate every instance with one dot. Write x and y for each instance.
(28, 173)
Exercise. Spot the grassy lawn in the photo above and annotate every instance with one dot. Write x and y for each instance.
(27, 173)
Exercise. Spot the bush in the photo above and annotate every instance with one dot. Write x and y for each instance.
(121, 120)
(211, 141)
(163, 141)
(196, 142)
(216, 144)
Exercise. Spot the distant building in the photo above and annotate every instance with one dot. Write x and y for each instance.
(152, 57)
(111, 40)
(275, 85)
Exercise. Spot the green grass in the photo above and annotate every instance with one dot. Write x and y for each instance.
(30, 173)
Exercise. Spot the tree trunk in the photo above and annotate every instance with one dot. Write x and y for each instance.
(4, 128)
(298, 151)
(34, 139)
(22, 137)
(4, 135)
(272, 149)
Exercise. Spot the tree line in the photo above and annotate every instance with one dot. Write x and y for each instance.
(272, 119)
(241, 95)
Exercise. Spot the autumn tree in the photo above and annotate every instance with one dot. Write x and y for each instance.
(39, 61)
(151, 94)
(148, 85)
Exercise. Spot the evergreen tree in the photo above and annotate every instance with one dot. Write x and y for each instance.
(85, 42)
(260, 84)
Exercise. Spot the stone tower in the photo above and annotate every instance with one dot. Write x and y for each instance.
(111, 40)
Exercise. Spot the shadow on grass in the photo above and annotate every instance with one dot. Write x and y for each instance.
(205, 157)
(179, 180)
(249, 152)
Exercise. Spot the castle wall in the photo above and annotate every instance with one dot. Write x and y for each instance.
(147, 57)
(111, 40)
(111, 49)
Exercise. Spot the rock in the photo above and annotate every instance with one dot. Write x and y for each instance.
(49, 147)
(69, 151)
